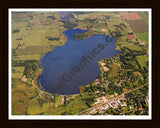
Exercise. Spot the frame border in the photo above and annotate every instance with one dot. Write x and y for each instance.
(80, 117)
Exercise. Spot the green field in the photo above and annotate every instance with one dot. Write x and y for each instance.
(16, 37)
(17, 72)
(142, 36)
(34, 108)
(38, 37)
(72, 107)
(142, 60)
(19, 103)
(144, 16)
(114, 71)
(131, 46)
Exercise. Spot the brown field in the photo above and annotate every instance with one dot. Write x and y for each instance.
(33, 50)
(114, 70)
(131, 16)
(23, 87)
(19, 103)
(138, 26)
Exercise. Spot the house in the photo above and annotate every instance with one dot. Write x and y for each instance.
(124, 104)
(97, 81)
(24, 79)
(63, 100)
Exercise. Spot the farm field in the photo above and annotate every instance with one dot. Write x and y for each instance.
(114, 71)
(142, 60)
(19, 103)
(131, 46)
(28, 57)
(17, 72)
(38, 37)
(144, 16)
(131, 16)
(142, 36)
(138, 26)
(35, 108)
(29, 50)
(72, 107)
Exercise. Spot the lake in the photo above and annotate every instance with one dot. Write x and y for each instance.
(74, 64)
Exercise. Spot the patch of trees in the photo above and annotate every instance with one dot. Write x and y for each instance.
(52, 38)
(128, 58)
(68, 24)
(17, 63)
(79, 36)
(91, 20)
(21, 63)
(114, 88)
(109, 111)
(71, 15)
(16, 31)
(52, 17)
(89, 100)
(31, 66)
(137, 99)
(30, 69)
(144, 90)
(41, 102)
(66, 113)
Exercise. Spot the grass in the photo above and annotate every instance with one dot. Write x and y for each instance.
(28, 57)
(38, 37)
(114, 71)
(15, 36)
(126, 109)
(58, 100)
(30, 50)
(138, 26)
(18, 73)
(142, 60)
(144, 16)
(131, 46)
(30, 92)
(19, 103)
(35, 109)
(24, 87)
(81, 17)
(118, 22)
(72, 107)
(142, 36)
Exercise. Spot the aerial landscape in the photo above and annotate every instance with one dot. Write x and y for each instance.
(80, 63)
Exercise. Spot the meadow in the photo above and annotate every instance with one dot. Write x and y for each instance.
(142, 60)
(138, 26)
(142, 36)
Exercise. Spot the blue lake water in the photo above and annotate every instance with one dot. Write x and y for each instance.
(74, 64)
(65, 17)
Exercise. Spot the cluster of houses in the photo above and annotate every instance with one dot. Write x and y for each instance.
(114, 103)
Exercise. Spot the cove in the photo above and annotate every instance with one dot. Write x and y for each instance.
(74, 64)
